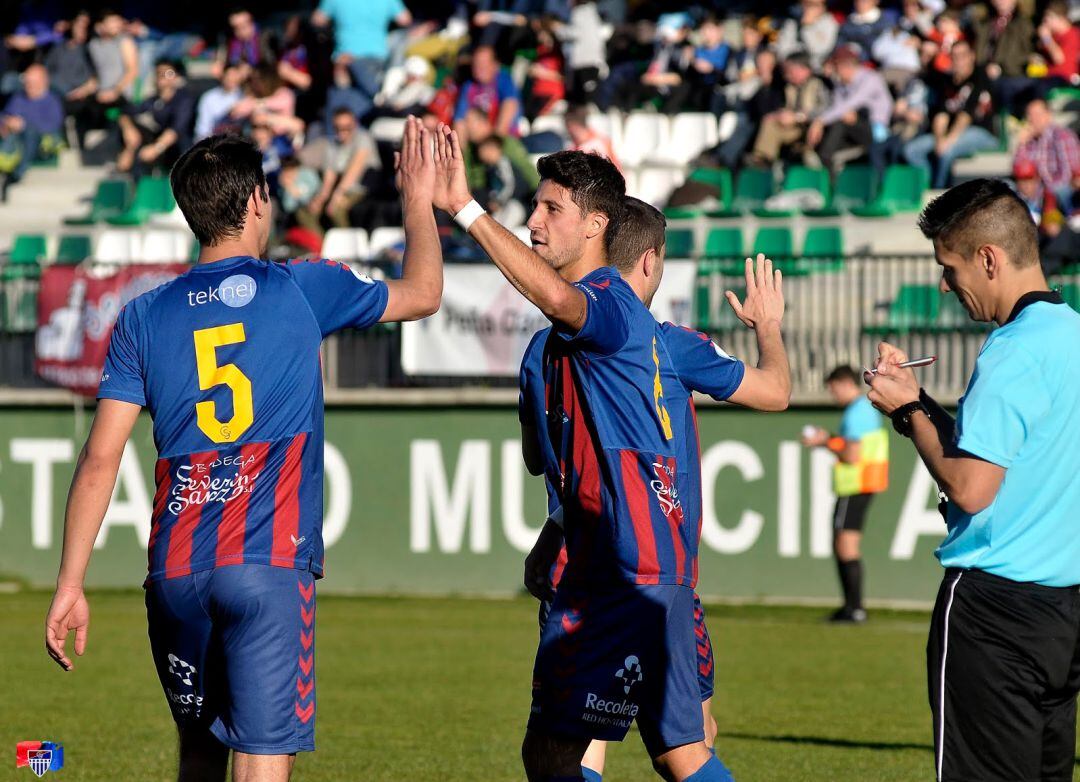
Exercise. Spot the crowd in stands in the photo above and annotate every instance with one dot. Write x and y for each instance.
(822, 83)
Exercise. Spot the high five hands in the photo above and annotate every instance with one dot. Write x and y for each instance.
(414, 164)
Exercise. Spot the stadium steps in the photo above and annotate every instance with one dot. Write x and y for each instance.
(38, 203)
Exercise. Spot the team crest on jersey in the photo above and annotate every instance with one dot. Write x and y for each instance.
(666, 492)
(185, 672)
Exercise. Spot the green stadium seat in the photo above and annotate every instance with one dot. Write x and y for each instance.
(720, 178)
(711, 309)
(800, 178)
(152, 195)
(776, 243)
(27, 249)
(110, 199)
(902, 190)
(679, 243)
(915, 308)
(724, 243)
(752, 187)
(823, 249)
(73, 249)
(855, 188)
(682, 212)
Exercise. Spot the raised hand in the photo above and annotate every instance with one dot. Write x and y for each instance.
(415, 164)
(69, 611)
(764, 294)
(451, 182)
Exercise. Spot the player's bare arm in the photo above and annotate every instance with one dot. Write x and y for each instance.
(88, 499)
(419, 291)
(560, 301)
(970, 483)
(768, 385)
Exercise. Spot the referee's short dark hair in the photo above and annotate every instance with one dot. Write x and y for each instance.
(842, 373)
(982, 211)
(640, 229)
(212, 182)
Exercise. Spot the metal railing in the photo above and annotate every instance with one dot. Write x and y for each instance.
(837, 311)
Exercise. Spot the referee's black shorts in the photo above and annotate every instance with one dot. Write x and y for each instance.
(1003, 667)
(850, 512)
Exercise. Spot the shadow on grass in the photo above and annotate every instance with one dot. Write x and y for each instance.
(822, 741)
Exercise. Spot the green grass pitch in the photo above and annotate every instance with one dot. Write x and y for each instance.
(426, 689)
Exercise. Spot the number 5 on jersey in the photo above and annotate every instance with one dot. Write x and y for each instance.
(210, 374)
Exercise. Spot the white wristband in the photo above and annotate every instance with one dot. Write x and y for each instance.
(469, 214)
(556, 517)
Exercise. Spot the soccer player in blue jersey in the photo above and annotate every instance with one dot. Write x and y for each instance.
(226, 359)
(618, 645)
(636, 249)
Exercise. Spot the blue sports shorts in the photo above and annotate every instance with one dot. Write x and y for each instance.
(610, 657)
(234, 649)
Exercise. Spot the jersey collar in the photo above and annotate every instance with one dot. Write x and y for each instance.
(1052, 297)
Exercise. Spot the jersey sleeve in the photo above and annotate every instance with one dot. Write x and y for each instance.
(607, 322)
(339, 296)
(530, 374)
(1004, 401)
(122, 378)
(701, 364)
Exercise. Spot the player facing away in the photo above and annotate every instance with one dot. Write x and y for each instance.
(226, 359)
(619, 642)
(636, 250)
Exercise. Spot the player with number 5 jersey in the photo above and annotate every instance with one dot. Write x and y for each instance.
(226, 359)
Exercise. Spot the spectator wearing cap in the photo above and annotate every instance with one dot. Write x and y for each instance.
(805, 97)
(30, 126)
(961, 119)
(859, 113)
(417, 91)
(1040, 201)
(492, 91)
(865, 24)
(1052, 151)
(158, 129)
(811, 29)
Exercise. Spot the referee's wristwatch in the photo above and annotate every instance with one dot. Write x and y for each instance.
(901, 416)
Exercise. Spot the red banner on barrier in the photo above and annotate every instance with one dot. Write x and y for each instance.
(77, 307)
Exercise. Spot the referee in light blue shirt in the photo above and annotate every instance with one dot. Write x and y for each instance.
(1003, 657)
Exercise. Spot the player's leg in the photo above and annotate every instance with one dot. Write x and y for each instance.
(848, 521)
(592, 764)
(706, 672)
(262, 768)
(182, 645)
(202, 756)
(671, 718)
(265, 619)
(584, 682)
(552, 758)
